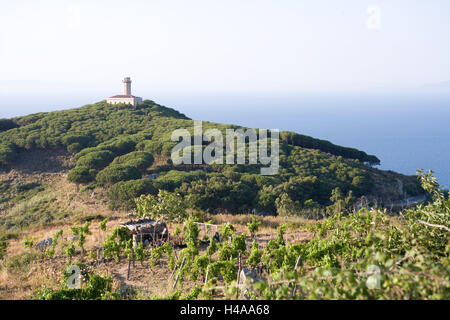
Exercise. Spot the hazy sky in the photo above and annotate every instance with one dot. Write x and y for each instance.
(222, 46)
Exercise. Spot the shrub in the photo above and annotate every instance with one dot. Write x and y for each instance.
(151, 146)
(122, 194)
(120, 146)
(82, 174)
(166, 206)
(76, 142)
(8, 154)
(253, 225)
(174, 179)
(7, 124)
(86, 151)
(96, 159)
(75, 147)
(116, 173)
(139, 159)
(286, 206)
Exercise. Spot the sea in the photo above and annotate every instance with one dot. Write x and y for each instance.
(406, 131)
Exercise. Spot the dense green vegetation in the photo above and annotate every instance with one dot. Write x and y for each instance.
(115, 146)
(8, 153)
(326, 146)
(7, 124)
(367, 255)
(115, 128)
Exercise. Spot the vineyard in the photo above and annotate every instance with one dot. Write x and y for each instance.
(360, 255)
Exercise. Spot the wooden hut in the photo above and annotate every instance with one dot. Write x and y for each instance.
(148, 231)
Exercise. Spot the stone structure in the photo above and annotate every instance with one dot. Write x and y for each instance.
(126, 97)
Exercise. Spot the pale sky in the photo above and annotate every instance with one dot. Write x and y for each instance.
(222, 46)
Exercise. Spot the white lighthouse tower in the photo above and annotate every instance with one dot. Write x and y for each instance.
(126, 97)
(127, 86)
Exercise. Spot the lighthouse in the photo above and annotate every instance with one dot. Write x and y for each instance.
(127, 86)
(126, 97)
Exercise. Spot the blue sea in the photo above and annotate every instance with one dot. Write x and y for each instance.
(406, 131)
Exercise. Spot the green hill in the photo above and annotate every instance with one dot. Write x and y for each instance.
(117, 146)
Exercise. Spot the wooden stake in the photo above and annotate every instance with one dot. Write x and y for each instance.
(239, 267)
(207, 274)
(297, 263)
(154, 235)
(179, 271)
(239, 275)
(129, 267)
(173, 272)
(295, 269)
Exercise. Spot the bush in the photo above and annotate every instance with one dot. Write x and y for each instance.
(286, 206)
(166, 206)
(139, 159)
(122, 194)
(151, 146)
(75, 142)
(174, 179)
(96, 159)
(75, 147)
(116, 173)
(120, 146)
(7, 124)
(86, 151)
(253, 225)
(8, 154)
(82, 175)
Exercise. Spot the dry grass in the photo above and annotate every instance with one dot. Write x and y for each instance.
(267, 223)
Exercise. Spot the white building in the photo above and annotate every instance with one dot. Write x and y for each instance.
(126, 97)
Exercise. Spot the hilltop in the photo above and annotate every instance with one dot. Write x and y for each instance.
(124, 151)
